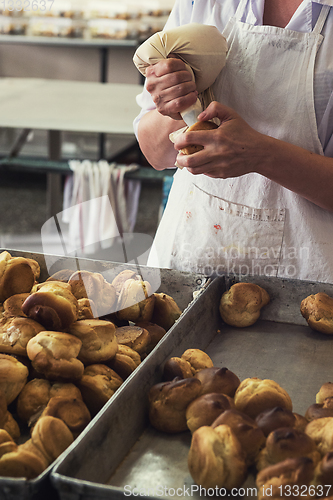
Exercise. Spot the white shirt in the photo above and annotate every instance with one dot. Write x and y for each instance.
(303, 20)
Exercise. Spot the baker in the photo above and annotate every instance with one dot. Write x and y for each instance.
(258, 199)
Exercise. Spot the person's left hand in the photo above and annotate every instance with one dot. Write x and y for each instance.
(231, 150)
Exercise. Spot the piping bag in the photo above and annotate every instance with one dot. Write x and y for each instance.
(202, 48)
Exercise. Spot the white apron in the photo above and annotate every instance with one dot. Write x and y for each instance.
(249, 224)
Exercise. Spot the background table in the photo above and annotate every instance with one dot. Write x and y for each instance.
(56, 106)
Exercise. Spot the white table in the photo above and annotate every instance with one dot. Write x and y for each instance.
(57, 105)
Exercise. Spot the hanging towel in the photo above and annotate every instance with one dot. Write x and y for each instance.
(100, 208)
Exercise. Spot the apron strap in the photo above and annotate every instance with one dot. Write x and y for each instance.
(240, 9)
(321, 19)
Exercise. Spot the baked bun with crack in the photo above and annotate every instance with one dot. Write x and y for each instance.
(205, 409)
(286, 443)
(93, 286)
(54, 354)
(97, 385)
(250, 436)
(53, 305)
(216, 458)
(16, 276)
(98, 337)
(203, 125)
(255, 395)
(218, 380)
(16, 332)
(318, 311)
(13, 377)
(240, 306)
(168, 402)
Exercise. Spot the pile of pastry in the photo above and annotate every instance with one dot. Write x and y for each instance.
(245, 428)
(62, 356)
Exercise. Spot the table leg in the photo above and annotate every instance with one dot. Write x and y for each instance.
(54, 180)
(19, 143)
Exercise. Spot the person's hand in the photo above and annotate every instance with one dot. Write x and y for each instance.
(231, 150)
(171, 87)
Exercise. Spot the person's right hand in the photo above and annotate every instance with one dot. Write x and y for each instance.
(171, 87)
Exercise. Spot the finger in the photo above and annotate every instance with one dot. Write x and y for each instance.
(217, 110)
(166, 66)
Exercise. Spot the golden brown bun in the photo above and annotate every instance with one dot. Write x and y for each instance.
(3, 409)
(155, 331)
(177, 367)
(198, 360)
(291, 472)
(15, 333)
(72, 411)
(321, 431)
(286, 443)
(324, 471)
(168, 402)
(205, 409)
(318, 311)
(36, 394)
(87, 309)
(136, 301)
(16, 276)
(13, 377)
(5, 436)
(274, 418)
(251, 438)
(218, 380)
(11, 426)
(216, 458)
(255, 395)
(300, 422)
(133, 336)
(324, 409)
(97, 385)
(33, 398)
(51, 436)
(13, 305)
(125, 361)
(166, 311)
(194, 148)
(326, 391)
(54, 354)
(30, 447)
(21, 463)
(53, 306)
(98, 337)
(120, 279)
(86, 284)
(35, 267)
(240, 306)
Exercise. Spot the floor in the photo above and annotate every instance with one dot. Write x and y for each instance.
(23, 194)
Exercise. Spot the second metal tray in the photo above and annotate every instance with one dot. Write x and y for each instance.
(121, 453)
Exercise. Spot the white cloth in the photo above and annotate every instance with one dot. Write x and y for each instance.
(298, 234)
(203, 49)
(98, 207)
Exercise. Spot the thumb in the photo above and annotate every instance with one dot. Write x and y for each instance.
(217, 110)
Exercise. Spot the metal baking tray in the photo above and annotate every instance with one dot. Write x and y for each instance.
(121, 451)
(178, 285)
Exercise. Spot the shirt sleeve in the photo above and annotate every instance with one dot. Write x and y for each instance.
(180, 14)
